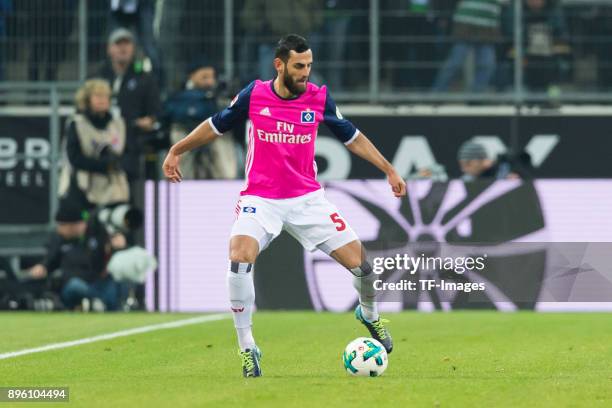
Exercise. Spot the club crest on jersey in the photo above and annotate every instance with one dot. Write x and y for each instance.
(249, 210)
(308, 116)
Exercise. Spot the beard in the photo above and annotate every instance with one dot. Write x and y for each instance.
(292, 85)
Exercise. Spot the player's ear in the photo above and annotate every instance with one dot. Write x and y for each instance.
(278, 64)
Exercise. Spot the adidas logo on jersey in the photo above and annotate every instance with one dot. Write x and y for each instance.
(265, 111)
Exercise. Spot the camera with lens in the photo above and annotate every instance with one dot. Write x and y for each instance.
(122, 218)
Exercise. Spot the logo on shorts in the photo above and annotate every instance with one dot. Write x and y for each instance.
(249, 210)
(308, 116)
(237, 309)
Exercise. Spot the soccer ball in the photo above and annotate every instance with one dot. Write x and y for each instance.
(365, 356)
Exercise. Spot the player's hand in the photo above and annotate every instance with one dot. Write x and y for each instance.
(146, 123)
(118, 241)
(171, 168)
(398, 185)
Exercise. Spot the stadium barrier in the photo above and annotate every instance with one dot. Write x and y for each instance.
(544, 245)
(571, 142)
(567, 142)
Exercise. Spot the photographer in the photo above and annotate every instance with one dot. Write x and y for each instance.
(475, 164)
(94, 143)
(188, 108)
(80, 248)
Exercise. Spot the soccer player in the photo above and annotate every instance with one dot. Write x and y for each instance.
(281, 190)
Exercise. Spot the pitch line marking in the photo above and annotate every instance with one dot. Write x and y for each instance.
(114, 335)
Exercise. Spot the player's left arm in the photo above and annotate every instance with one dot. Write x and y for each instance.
(364, 148)
(360, 145)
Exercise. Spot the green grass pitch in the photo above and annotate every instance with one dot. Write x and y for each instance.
(458, 359)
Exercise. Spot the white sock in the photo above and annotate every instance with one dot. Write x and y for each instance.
(369, 310)
(242, 300)
(245, 338)
(367, 296)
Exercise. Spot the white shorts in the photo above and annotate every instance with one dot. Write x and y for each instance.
(311, 219)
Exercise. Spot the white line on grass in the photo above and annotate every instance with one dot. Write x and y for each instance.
(122, 333)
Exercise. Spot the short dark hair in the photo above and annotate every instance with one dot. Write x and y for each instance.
(290, 42)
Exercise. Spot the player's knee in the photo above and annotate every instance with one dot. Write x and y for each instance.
(243, 255)
(350, 255)
(243, 249)
(353, 261)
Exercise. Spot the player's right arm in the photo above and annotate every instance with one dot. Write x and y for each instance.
(208, 131)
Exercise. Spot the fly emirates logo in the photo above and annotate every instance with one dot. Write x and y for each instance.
(283, 134)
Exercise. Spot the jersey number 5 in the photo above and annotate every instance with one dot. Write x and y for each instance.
(340, 224)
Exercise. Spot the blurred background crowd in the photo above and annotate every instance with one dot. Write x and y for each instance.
(401, 45)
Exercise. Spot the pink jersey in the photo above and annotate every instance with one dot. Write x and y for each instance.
(280, 161)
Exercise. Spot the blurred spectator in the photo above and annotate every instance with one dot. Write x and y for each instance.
(137, 95)
(329, 43)
(80, 250)
(475, 164)
(476, 28)
(138, 16)
(265, 21)
(358, 51)
(6, 9)
(8, 286)
(201, 25)
(416, 32)
(597, 23)
(97, 22)
(172, 16)
(185, 110)
(47, 29)
(95, 140)
(546, 42)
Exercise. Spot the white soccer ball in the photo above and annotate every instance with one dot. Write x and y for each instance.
(366, 357)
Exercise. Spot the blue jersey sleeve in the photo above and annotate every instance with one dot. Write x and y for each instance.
(235, 113)
(342, 128)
